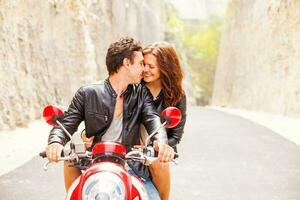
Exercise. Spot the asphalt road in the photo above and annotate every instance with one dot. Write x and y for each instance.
(221, 157)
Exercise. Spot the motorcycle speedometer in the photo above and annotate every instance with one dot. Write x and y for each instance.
(103, 186)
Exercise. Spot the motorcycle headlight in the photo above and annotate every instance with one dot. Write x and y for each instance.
(103, 186)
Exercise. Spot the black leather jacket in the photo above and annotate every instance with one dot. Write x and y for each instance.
(174, 134)
(95, 104)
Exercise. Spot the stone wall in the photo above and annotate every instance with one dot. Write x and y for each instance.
(49, 48)
(259, 63)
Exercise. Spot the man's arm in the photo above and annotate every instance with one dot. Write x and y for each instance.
(151, 121)
(71, 120)
(150, 117)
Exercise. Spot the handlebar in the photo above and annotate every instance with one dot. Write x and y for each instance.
(176, 155)
(43, 154)
(146, 155)
(63, 158)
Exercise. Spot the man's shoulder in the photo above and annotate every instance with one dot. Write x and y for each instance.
(90, 87)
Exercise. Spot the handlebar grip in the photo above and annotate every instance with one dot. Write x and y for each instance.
(150, 152)
(176, 155)
(62, 154)
(43, 154)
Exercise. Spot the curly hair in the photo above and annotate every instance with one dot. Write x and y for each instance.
(118, 51)
(171, 74)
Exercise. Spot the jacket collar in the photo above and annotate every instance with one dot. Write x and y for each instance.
(111, 89)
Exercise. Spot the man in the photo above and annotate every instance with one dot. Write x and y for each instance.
(112, 109)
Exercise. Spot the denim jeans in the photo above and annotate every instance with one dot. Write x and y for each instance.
(151, 189)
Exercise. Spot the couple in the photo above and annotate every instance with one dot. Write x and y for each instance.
(114, 109)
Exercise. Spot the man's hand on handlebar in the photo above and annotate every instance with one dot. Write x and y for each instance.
(88, 142)
(165, 152)
(53, 152)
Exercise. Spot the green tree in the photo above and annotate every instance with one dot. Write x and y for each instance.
(197, 43)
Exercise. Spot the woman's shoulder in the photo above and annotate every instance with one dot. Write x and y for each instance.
(183, 98)
(182, 102)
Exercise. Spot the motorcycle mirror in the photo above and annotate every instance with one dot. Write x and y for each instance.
(172, 115)
(51, 114)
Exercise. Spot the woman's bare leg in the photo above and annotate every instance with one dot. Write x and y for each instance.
(70, 175)
(161, 178)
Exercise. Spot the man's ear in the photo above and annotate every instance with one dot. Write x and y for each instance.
(126, 62)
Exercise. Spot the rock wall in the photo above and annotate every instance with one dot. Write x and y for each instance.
(49, 48)
(258, 67)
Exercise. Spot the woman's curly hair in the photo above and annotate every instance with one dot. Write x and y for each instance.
(171, 74)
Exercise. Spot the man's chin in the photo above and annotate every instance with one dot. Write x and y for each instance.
(137, 81)
(146, 79)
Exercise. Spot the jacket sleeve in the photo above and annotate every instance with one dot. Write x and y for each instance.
(175, 134)
(150, 117)
(71, 120)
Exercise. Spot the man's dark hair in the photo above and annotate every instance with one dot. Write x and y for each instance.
(117, 51)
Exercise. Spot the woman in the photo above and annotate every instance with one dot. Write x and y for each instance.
(163, 77)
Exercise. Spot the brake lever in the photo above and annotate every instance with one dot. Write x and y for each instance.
(67, 158)
(45, 166)
(147, 155)
(149, 160)
(175, 161)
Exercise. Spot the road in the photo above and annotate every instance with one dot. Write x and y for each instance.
(221, 157)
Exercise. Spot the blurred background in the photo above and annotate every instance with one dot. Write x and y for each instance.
(238, 53)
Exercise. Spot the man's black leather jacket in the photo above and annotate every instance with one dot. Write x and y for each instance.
(95, 105)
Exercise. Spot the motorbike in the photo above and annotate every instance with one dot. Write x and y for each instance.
(105, 175)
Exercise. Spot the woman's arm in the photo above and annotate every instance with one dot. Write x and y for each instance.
(175, 134)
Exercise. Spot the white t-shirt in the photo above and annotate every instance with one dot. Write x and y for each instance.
(113, 133)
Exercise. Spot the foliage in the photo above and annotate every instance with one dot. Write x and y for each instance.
(197, 43)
